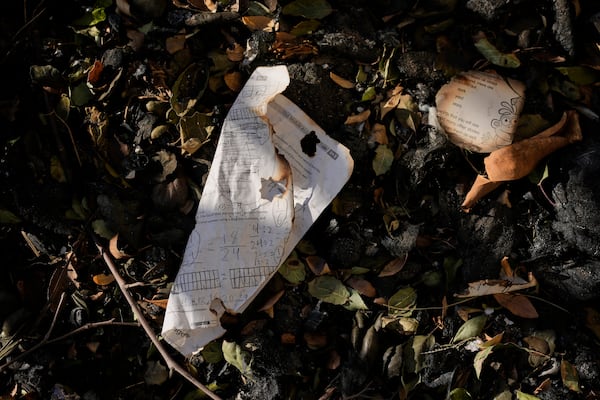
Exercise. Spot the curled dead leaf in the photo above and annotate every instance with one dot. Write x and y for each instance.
(519, 159)
(260, 23)
(394, 266)
(236, 53)
(592, 320)
(378, 134)
(358, 118)
(361, 285)
(517, 304)
(115, 251)
(288, 338)
(492, 286)
(233, 80)
(334, 360)
(481, 187)
(103, 279)
(342, 82)
(175, 43)
(272, 301)
(315, 340)
(318, 265)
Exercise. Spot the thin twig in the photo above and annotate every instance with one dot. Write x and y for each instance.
(42, 342)
(171, 363)
(70, 135)
(93, 325)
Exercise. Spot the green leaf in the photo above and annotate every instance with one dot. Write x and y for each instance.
(530, 125)
(386, 65)
(402, 302)
(355, 302)
(293, 269)
(212, 353)
(63, 107)
(539, 175)
(569, 376)
(81, 95)
(480, 359)
(369, 94)
(189, 88)
(459, 394)
(493, 55)
(195, 131)
(525, 396)
(238, 357)
(471, 328)
(312, 9)
(156, 373)
(45, 75)
(383, 159)
(96, 15)
(305, 27)
(580, 75)
(101, 229)
(359, 270)
(361, 75)
(256, 8)
(7, 217)
(329, 289)
(57, 171)
(451, 266)
(503, 396)
(413, 348)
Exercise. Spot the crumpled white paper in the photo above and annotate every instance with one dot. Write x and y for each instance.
(273, 173)
(479, 111)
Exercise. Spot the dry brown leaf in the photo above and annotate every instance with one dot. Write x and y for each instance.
(379, 134)
(162, 303)
(393, 267)
(97, 296)
(392, 102)
(211, 5)
(464, 312)
(382, 301)
(481, 187)
(315, 340)
(519, 159)
(235, 54)
(272, 301)
(358, 118)
(592, 320)
(492, 286)
(253, 327)
(540, 350)
(444, 307)
(115, 251)
(334, 360)
(288, 338)
(362, 286)
(506, 271)
(103, 279)
(259, 23)
(542, 387)
(92, 346)
(504, 198)
(492, 341)
(175, 43)
(342, 82)
(233, 80)
(95, 73)
(318, 265)
(517, 304)
(537, 344)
